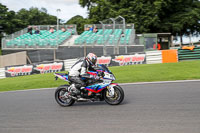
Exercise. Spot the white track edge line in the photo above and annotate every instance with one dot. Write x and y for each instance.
(159, 82)
(138, 83)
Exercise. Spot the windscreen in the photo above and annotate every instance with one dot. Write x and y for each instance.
(104, 68)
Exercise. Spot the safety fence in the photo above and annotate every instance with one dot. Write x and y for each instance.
(149, 57)
(2, 73)
(115, 60)
(57, 66)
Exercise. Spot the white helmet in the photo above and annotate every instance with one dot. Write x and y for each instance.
(92, 58)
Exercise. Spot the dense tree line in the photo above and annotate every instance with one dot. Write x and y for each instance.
(180, 17)
(79, 21)
(176, 16)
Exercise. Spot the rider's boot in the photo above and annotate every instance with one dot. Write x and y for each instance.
(74, 90)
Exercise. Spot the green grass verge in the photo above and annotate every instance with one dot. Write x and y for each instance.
(124, 74)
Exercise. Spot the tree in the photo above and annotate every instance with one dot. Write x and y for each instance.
(79, 21)
(3, 22)
(34, 16)
(180, 16)
(87, 3)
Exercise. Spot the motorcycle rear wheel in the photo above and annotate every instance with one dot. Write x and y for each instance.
(61, 99)
(118, 96)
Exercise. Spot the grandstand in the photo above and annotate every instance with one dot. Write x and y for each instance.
(110, 33)
(106, 37)
(113, 37)
(45, 39)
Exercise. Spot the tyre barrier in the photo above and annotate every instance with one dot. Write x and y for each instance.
(153, 57)
(189, 54)
(162, 56)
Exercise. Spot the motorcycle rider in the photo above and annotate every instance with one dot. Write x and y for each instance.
(79, 70)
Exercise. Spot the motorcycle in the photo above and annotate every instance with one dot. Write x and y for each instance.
(95, 90)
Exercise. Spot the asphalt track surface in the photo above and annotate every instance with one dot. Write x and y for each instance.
(147, 108)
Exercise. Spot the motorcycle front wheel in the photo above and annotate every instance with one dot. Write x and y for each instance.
(61, 96)
(117, 98)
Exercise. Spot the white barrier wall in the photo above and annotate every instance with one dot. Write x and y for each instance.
(153, 57)
(2, 73)
(13, 59)
(69, 63)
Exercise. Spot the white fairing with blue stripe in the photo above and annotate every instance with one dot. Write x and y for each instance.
(109, 76)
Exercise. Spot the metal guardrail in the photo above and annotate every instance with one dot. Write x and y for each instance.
(68, 63)
(2, 73)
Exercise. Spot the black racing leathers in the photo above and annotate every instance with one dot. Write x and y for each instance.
(78, 81)
(78, 70)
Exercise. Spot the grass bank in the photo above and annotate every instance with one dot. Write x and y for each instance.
(124, 74)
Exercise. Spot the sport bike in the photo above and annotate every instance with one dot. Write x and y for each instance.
(96, 90)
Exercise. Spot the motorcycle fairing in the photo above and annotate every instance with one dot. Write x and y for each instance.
(92, 73)
(62, 76)
(96, 88)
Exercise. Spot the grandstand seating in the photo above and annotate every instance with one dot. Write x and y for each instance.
(83, 37)
(126, 38)
(110, 36)
(105, 36)
(91, 39)
(114, 38)
(45, 38)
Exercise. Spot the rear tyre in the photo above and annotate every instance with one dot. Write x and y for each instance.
(117, 98)
(60, 97)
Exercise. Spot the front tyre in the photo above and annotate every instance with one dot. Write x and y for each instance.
(62, 98)
(117, 98)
